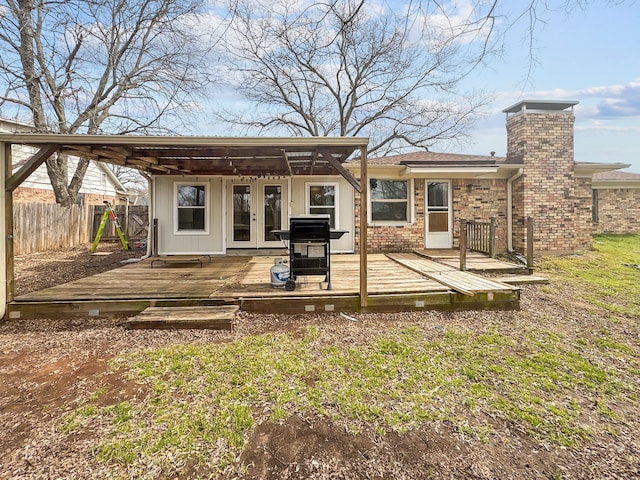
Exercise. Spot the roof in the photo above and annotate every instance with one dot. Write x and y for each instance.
(541, 105)
(617, 176)
(184, 155)
(424, 158)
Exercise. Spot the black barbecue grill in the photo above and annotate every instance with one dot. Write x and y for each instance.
(309, 248)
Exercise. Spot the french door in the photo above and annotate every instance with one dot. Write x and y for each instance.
(254, 209)
(438, 214)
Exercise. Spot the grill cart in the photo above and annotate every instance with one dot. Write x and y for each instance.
(309, 249)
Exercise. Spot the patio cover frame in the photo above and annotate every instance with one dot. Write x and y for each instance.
(242, 157)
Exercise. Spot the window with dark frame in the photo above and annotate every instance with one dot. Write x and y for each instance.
(191, 207)
(594, 206)
(389, 200)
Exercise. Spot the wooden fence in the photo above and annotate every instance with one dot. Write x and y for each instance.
(41, 227)
(134, 220)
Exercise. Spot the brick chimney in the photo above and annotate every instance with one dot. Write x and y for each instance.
(540, 138)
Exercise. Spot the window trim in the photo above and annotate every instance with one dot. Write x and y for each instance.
(410, 205)
(336, 189)
(176, 208)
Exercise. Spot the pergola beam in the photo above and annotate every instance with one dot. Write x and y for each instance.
(341, 170)
(29, 167)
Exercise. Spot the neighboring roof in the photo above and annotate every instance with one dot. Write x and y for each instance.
(617, 176)
(241, 156)
(541, 105)
(424, 158)
(616, 179)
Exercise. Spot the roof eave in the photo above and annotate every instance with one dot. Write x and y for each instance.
(586, 170)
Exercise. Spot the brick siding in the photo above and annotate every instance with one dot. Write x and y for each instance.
(473, 199)
(41, 195)
(548, 191)
(618, 210)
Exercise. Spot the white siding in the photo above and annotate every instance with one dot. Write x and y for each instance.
(345, 215)
(172, 243)
(96, 181)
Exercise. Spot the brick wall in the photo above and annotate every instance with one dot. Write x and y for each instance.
(550, 194)
(473, 199)
(33, 195)
(479, 200)
(618, 210)
(396, 238)
(41, 195)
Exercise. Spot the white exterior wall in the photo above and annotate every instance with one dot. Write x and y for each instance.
(345, 217)
(213, 240)
(171, 242)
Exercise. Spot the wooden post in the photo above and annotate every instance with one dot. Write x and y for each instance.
(463, 245)
(364, 183)
(8, 225)
(492, 237)
(530, 244)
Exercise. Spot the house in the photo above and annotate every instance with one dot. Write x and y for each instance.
(211, 195)
(99, 183)
(214, 195)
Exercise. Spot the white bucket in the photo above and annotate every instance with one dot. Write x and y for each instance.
(279, 273)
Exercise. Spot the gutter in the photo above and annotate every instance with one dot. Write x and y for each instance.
(510, 181)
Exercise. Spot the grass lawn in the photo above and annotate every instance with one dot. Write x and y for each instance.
(561, 373)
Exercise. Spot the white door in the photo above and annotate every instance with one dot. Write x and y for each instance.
(254, 209)
(438, 214)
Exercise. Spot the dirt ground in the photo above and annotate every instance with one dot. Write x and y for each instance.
(48, 366)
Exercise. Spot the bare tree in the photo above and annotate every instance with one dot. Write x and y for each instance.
(349, 68)
(100, 66)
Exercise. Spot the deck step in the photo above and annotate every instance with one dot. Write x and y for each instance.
(522, 280)
(201, 317)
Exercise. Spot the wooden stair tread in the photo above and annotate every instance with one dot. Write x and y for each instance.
(199, 317)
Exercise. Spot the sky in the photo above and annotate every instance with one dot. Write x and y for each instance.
(590, 56)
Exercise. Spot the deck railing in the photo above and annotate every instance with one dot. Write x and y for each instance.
(480, 236)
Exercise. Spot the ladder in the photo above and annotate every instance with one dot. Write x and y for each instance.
(108, 212)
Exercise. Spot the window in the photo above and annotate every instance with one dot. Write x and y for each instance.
(191, 208)
(322, 199)
(389, 200)
(594, 206)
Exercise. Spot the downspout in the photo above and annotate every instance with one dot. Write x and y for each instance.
(510, 181)
(151, 210)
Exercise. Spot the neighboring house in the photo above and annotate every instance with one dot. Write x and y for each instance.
(99, 183)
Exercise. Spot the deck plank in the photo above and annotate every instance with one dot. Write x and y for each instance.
(464, 282)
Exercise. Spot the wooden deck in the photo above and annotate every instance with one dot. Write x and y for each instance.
(245, 281)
